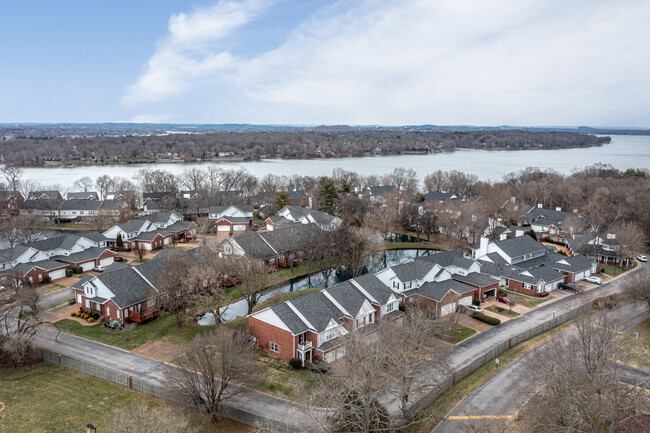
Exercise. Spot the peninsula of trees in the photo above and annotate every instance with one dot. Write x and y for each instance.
(23, 149)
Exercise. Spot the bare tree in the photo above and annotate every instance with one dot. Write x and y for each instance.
(83, 184)
(253, 276)
(358, 245)
(637, 287)
(103, 183)
(140, 251)
(206, 279)
(630, 238)
(581, 374)
(141, 418)
(173, 285)
(25, 228)
(213, 369)
(12, 175)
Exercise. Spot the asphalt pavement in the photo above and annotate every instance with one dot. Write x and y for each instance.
(509, 390)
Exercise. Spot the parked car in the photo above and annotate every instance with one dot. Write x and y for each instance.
(506, 300)
(98, 269)
(642, 258)
(119, 259)
(594, 280)
(570, 287)
(474, 308)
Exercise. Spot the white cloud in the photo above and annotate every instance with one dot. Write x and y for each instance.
(530, 62)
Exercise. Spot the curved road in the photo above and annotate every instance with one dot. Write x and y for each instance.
(509, 390)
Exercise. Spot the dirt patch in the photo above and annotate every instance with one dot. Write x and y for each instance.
(159, 350)
(2, 406)
(68, 281)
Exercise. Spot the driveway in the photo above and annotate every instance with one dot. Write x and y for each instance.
(514, 385)
(468, 321)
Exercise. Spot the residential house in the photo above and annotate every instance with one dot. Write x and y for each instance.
(46, 260)
(279, 248)
(546, 222)
(590, 244)
(311, 326)
(378, 193)
(299, 198)
(277, 221)
(439, 197)
(231, 220)
(46, 208)
(76, 209)
(151, 231)
(11, 202)
(44, 195)
(309, 216)
(442, 297)
(90, 195)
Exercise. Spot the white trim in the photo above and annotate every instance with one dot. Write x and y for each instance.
(364, 292)
(336, 304)
(299, 314)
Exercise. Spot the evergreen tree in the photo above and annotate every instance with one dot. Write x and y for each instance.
(328, 194)
(281, 199)
(118, 241)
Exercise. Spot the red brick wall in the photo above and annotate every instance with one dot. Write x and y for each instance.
(518, 286)
(106, 254)
(266, 333)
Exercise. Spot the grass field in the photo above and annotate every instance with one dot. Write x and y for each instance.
(51, 399)
(161, 329)
(51, 287)
(616, 270)
(528, 301)
(462, 333)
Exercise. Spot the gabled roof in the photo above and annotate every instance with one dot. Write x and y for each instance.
(412, 270)
(47, 265)
(519, 246)
(348, 297)
(551, 215)
(437, 196)
(127, 285)
(63, 242)
(317, 310)
(476, 278)
(449, 258)
(82, 205)
(235, 220)
(379, 190)
(438, 289)
(82, 256)
(42, 204)
(375, 288)
(94, 236)
(52, 194)
(156, 195)
(11, 254)
(290, 318)
(82, 195)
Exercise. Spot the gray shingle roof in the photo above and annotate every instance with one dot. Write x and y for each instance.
(476, 278)
(412, 270)
(317, 309)
(37, 194)
(379, 190)
(348, 297)
(127, 285)
(47, 265)
(437, 196)
(519, 246)
(438, 290)
(289, 318)
(83, 205)
(81, 195)
(448, 258)
(82, 256)
(374, 287)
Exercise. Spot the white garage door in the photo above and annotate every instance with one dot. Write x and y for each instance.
(580, 276)
(449, 308)
(79, 298)
(106, 262)
(167, 241)
(239, 227)
(87, 266)
(465, 301)
(223, 228)
(55, 275)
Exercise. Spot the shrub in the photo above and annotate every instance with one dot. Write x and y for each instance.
(47, 279)
(95, 315)
(68, 272)
(295, 363)
(90, 319)
(73, 314)
(77, 269)
(476, 302)
(502, 293)
(402, 307)
(487, 319)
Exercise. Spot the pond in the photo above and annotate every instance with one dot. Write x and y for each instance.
(377, 262)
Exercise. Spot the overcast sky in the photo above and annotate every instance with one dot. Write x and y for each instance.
(482, 62)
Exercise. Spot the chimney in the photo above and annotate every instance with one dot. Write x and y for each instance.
(483, 246)
(519, 233)
(559, 209)
(503, 237)
(540, 205)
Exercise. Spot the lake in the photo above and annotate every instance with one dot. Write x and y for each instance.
(623, 152)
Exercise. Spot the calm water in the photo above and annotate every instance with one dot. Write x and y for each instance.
(623, 152)
(378, 262)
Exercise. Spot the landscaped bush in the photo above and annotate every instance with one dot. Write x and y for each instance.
(487, 319)
(295, 363)
(73, 314)
(77, 269)
(95, 315)
(476, 302)
(502, 293)
(402, 307)
(47, 279)
(68, 272)
(90, 319)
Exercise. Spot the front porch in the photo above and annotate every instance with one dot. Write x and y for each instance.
(141, 317)
(304, 352)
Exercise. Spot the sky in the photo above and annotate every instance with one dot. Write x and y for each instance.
(312, 62)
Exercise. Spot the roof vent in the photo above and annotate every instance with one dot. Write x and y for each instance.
(559, 209)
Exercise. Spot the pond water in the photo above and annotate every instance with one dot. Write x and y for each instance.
(376, 263)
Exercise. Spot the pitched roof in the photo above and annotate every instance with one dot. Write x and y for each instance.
(347, 296)
(81, 195)
(82, 256)
(412, 270)
(378, 190)
(448, 258)
(438, 289)
(52, 194)
(83, 205)
(475, 278)
(437, 196)
(127, 285)
(290, 318)
(317, 309)
(519, 246)
(375, 288)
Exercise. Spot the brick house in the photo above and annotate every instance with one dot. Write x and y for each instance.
(442, 297)
(483, 284)
(310, 327)
(232, 226)
(151, 231)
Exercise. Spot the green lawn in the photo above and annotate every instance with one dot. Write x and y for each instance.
(282, 380)
(163, 328)
(412, 245)
(528, 301)
(616, 270)
(504, 311)
(462, 333)
(50, 399)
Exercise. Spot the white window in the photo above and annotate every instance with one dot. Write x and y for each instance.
(301, 338)
(273, 346)
(40, 277)
(390, 307)
(118, 314)
(108, 311)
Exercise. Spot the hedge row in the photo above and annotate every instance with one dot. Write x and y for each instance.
(487, 319)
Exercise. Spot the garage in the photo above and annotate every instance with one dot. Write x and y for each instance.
(59, 273)
(106, 262)
(88, 265)
(335, 354)
(239, 227)
(448, 309)
(465, 301)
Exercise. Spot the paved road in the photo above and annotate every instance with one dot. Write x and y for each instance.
(464, 353)
(55, 297)
(514, 385)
